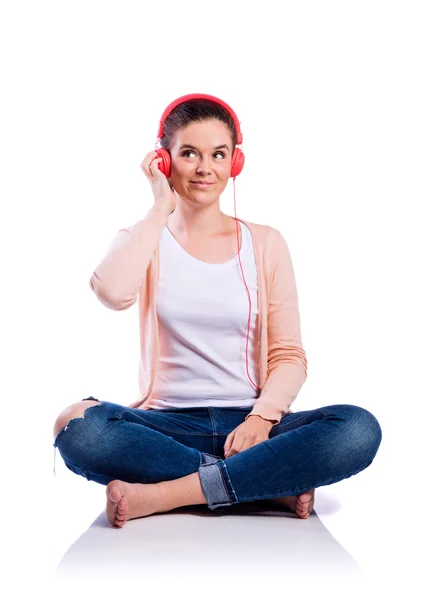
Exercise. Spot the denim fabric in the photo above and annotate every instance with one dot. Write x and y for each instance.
(307, 449)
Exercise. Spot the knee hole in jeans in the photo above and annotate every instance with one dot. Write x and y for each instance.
(74, 411)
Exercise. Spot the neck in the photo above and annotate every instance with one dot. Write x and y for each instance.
(206, 222)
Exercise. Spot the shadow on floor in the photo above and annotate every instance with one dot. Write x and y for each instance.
(248, 538)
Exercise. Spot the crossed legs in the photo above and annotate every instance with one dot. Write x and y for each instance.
(127, 501)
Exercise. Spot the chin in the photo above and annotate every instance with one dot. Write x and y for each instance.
(194, 193)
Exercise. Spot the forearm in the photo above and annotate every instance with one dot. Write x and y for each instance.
(121, 272)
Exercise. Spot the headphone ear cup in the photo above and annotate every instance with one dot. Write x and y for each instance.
(165, 164)
(238, 160)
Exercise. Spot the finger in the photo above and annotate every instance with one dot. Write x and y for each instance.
(149, 156)
(147, 160)
(228, 442)
(245, 445)
(148, 167)
(229, 449)
(153, 167)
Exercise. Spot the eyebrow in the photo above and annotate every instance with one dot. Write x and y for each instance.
(194, 148)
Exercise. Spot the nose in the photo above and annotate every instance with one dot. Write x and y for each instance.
(204, 165)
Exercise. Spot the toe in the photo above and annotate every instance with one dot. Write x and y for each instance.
(114, 493)
(121, 510)
(305, 497)
(304, 504)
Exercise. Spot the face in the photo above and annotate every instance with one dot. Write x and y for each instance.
(201, 152)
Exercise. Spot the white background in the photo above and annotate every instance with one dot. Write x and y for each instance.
(335, 102)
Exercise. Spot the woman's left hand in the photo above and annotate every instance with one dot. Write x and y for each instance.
(251, 432)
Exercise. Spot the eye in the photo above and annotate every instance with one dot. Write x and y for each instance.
(192, 152)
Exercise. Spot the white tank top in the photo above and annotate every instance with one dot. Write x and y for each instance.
(202, 314)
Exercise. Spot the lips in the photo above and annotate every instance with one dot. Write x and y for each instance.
(201, 184)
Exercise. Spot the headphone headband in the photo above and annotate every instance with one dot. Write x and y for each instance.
(178, 101)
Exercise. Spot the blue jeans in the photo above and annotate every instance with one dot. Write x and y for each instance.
(307, 449)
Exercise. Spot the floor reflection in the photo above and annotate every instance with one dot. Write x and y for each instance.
(249, 538)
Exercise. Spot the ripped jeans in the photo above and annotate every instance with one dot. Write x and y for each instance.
(306, 450)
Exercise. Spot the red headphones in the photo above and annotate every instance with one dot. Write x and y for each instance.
(238, 157)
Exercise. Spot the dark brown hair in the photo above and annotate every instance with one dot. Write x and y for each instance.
(192, 111)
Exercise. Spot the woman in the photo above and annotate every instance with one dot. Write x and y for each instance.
(199, 432)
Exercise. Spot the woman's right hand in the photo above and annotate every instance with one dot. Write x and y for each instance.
(165, 200)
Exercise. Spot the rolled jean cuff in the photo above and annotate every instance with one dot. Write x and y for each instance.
(215, 482)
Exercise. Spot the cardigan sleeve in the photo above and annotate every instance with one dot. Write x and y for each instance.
(287, 362)
(121, 272)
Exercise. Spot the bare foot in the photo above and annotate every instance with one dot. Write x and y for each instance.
(302, 504)
(127, 501)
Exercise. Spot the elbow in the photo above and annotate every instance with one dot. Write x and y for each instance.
(107, 298)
